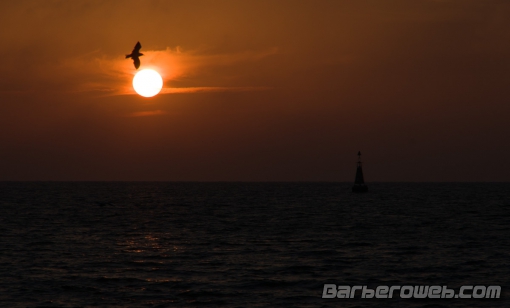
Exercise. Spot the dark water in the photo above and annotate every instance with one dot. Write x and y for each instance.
(248, 244)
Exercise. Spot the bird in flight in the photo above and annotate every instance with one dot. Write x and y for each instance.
(135, 54)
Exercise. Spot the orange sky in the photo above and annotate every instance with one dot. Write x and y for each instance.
(256, 90)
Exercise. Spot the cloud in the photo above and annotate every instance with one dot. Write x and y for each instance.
(145, 113)
(212, 89)
(102, 75)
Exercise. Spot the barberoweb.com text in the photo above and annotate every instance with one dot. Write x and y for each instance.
(334, 291)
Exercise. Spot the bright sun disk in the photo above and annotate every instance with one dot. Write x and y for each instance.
(147, 82)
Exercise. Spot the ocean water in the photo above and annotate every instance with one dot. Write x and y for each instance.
(145, 244)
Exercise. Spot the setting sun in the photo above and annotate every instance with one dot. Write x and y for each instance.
(147, 82)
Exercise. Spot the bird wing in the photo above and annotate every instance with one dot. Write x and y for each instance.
(136, 62)
(137, 48)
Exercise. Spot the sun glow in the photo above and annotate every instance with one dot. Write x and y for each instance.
(147, 82)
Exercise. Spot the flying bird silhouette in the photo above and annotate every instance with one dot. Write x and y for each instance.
(135, 54)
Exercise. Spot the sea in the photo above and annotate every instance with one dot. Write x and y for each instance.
(191, 244)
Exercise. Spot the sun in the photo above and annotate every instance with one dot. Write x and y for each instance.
(147, 82)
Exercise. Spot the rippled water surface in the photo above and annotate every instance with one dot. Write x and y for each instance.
(248, 244)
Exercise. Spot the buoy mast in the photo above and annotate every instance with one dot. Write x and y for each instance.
(359, 182)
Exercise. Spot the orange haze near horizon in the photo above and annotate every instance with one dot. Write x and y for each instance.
(256, 90)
